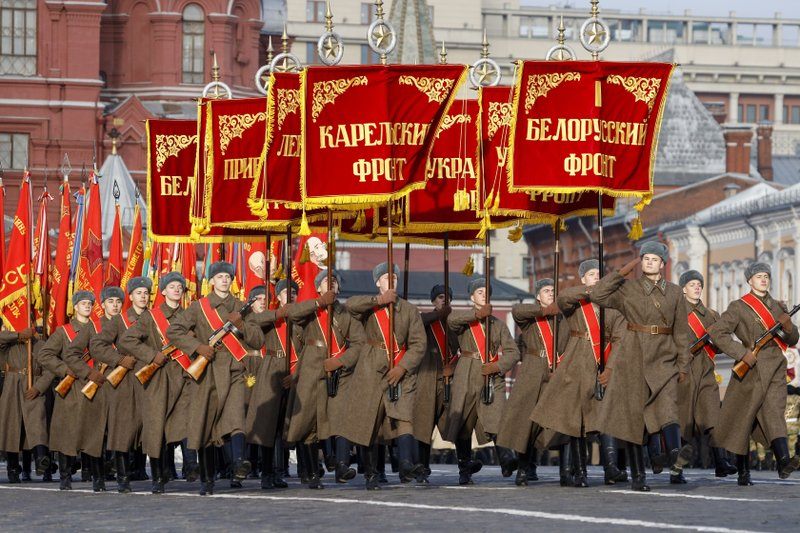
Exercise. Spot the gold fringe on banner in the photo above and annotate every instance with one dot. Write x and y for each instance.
(515, 233)
(636, 226)
(469, 268)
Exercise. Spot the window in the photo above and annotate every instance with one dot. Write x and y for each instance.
(527, 266)
(751, 114)
(315, 11)
(368, 57)
(795, 114)
(741, 113)
(13, 150)
(367, 13)
(18, 37)
(763, 112)
(312, 57)
(193, 44)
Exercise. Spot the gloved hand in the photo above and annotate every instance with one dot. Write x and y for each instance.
(388, 297)
(331, 364)
(96, 376)
(551, 309)
(395, 375)
(160, 359)
(448, 370)
(325, 299)
(71, 374)
(127, 361)
(444, 312)
(26, 334)
(628, 267)
(31, 394)
(490, 368)
(235, 318)
(206, 351)
(283, 311)
(786, 322)
(483, 311)
(605, 377)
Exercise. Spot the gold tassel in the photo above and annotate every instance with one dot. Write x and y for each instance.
(636, 229)
(515, 233)
(486, 225)
(489, 200)
(205, 288)
(360, 222)
(278, 274)
(304, 229)
(564, 225)
(305, 255)
(70, 309)
(36, 293)
(235, 287)
(496, 205)
(469, 268)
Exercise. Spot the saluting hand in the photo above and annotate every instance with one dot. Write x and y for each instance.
(483, 311)
(629, 266)
(388, 297)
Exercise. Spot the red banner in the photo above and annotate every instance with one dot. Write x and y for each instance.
(59, 273)
(14, 299)
(586, 125)
(135, 263)
(114, 266)
(89, 276)
(368, 130)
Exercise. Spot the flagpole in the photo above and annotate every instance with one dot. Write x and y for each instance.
(289, 282)
(556, 260)
(31, 323)
(394, 390)
(488, 381)
(268, 268)
(405, 270)
(599, 389)
(447, 302)
(331, 381)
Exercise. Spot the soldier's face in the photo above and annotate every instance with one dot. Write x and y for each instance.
(383, 283)
(140, 297)
(651, 264)
(173, 291)
(323, 286)
(591, 277)
(260, 303)
(112, 306)
(546, 295)
(693, 290)
(284, 295)
(439, 302)
(479, 296)
(222, 282)
(760, 282)
(84, 308)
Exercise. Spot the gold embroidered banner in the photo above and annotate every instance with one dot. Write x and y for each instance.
(586, 126)
(368, 130)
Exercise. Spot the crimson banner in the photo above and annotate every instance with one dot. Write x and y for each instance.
(368, 130)
(586, 125)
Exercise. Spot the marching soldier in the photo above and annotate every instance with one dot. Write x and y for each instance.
(568, 404)
(652, 357)
(95, 411)
(379, 416)
(124, 416)
(755, 405)
(65, 427)
(698, 396)
(535, 321)
(166, 396)
(429, 407)
(217, 411)
(322, 411)
(22, 409)
(470, 408)
(267, 398)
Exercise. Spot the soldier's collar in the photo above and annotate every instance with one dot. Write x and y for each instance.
(649, 285)
(699, 307)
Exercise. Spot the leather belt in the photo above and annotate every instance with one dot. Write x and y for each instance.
(275, 353)
(580, 334)
(381, 345)
(541, 353)
(650, 329)
(11, 370)
(471, 355)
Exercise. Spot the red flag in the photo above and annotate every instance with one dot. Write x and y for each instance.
(41, 245)
(255, 259)
(188, 267)
(114, 266)
(14, 294)
(90, 259)
(59, 274)
(310, 256)
(135, 262)
(2, 224)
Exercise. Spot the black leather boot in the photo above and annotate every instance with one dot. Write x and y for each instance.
(191, 468)
(424, 451)
(65, 471)
(743, 466)
(785, 465)
(578, 448)
(267, 468)
(241, 466)
(466, 464)
(86, 468)
(658, 459)
(679, 456)
(123, 477)
(522, 472)
(380, 464)
(42, 459)
(312, 458)
(638, 473)
(208, 470)
(532, 458)
(281, 468)
(608, 454)
(329, 453)
(14, 468)
(98, 474)
(157, 474)
(168, 471)
(722, 467)
(408, 469)
(25, 475)
(343, 472)
(565, 466)
(507, 459)
(369, 455)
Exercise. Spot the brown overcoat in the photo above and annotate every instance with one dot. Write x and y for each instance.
(16, 412)
(368, 397)
(466, 407)
(642, 394)
(165, 399)
(217, 409)
(754, 406)
(698, 396)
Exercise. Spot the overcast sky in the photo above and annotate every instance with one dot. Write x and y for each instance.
(744, 8)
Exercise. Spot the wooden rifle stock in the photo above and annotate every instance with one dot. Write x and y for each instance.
(741, 368)
(198, 366)
(64, 385)
(117, 375)
(145, 374)
(90, 389)
(699, 344)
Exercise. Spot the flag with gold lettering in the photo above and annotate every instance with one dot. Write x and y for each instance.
(114, 265)
(40, 291)
(14, 293)
(135, 262)
(586, 126)
(89, 276)
(59, 273)
(368, 130)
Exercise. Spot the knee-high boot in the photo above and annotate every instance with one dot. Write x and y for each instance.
(280, 464)
(65, 471)
(743, 466)
(579, 458)
(191, 467)
(638, 474)
(240, 466)
(312, 458)
(608, 452)
(785, 465)
(208, 469)
(13, 467)
(42, 459)
(405, 458)
(267, 468)
(679, 456)
(123, 476)
(466, 464)
(369, 455)
(722, 467)
(157, 474)
(343, 472)
(565, 466)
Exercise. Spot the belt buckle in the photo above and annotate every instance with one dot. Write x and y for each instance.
(653, 330)
(542, 353)
(279, 353)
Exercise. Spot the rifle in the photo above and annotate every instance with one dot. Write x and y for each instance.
(198, 366)
(741, 368)
(90, 389)
(64, 385)
(145, 374)
(700, 343)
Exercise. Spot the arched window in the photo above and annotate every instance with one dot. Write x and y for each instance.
(193, 44)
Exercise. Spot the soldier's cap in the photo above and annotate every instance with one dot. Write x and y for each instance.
(476, 283)
(323, 274)
(757, 268)
(691, 275)
(586, 266)
(168, 278)
(382, 269)
(282, 284)
(138, 282)
(112, 292)
(220, 267)
(542, 283)
(80, 296)
(655, 248)
(258, 290)
(439, 289)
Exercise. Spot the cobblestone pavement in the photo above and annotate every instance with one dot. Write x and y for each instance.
(705, 504)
